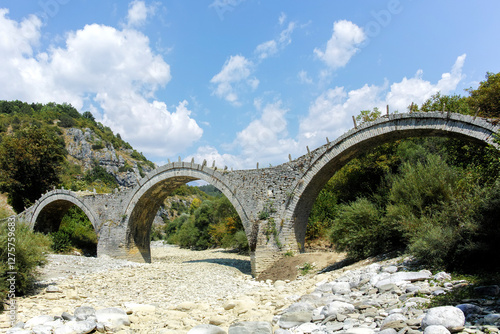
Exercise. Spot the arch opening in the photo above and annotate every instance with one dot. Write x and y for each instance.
(69, 227)
(370, 165)
(170, 209)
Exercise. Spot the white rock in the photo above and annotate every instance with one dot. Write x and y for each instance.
(40, 320)
(337, 307)
(360, 330)
(307, 327)
(41, 329)
(117, 317)
(442, 276)
(436, 329)
(135, 307)
(447, 316)
(341, 288)
(206, 329)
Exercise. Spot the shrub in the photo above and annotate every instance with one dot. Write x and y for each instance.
(30, 252)
(187, 235)
(361, 231)
(61, 242)
(76, 231)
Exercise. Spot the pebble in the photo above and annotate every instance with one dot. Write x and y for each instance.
(213, 292)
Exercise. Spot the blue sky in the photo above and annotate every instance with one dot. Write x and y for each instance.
(241, 81)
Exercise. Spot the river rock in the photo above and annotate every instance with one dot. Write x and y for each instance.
(83, 312)
(447, 316)
(292, 319)
(113, 315)
(206, 329)
(337, 307)
(39, 320)
(436, 329)
(251, 327)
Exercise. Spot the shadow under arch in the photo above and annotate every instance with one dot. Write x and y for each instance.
(53, 206)
(373, 134)
(152, 191)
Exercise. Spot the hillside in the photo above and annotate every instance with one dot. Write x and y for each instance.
(53, 145)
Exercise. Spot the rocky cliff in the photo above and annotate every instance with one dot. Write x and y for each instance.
(87, 149)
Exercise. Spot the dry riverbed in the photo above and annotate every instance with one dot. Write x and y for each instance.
(185, 288)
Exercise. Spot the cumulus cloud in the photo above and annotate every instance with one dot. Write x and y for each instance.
(266, 139)
(112, 72)
(343, 44)
(418, 90)
(330, 114)
(138, 13)
(234, 76)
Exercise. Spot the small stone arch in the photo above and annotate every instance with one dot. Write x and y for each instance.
(150, 194)
(359, 140)
(51, 208)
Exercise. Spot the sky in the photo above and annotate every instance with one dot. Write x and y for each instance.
(241, 81)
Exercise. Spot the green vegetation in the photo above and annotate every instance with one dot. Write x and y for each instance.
(30, 250)
(436, 198)
(33, 158)
(30, 161)
(75, 233)
(207, 222)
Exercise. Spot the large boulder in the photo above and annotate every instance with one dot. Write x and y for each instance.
(448, 316)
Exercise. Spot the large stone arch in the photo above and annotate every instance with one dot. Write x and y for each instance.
(152, 191)
(335, 155)
(51, 208)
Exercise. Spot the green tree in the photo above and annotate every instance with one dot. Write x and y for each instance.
(486, 97)
(368, 115)
(30, 162)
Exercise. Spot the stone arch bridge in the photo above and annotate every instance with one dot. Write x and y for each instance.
(273, 203)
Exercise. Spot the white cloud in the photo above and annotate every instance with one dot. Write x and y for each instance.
(272, 47)
(282, 18)
(343, 44)
(234, 77)
(112, 72)
(267, 140)
(418, 90)
(330, 114)
(264, 140)
(138, 13)
(304, 77)
(267, 49)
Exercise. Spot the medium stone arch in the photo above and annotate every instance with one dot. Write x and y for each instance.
(150, 194)
(335, 155)
(51, 208)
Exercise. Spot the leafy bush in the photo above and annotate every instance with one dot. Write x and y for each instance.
(361, 231)
(30, 252)
(76, 232)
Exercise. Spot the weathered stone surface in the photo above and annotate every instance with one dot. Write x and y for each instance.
(251, 327)
(447, 316)
(469, 309)
(335, 308)
(206, 329)
(115, 316)
(436, 329)
(292, 319)
(83, 312)
(39, 320)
